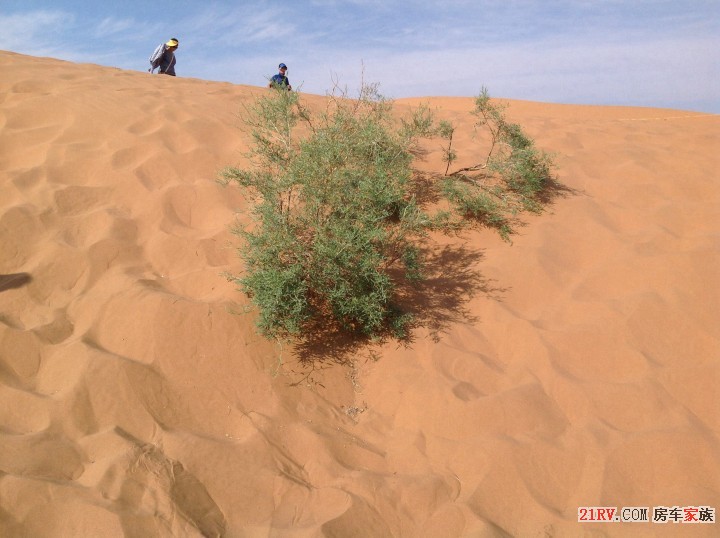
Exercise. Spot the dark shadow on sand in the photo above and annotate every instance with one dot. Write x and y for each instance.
(437, 302)
(13, 281)
(554, 190)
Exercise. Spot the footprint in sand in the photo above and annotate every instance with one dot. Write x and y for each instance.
(20, 358)
(75, 199)
(146, 126)
(146, 481)
(20, 230)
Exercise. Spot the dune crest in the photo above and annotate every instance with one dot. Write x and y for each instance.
(577, 367)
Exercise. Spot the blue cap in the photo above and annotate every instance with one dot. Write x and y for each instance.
(281, 66)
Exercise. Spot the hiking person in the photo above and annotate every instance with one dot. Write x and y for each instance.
(164, 58)
(280, 80)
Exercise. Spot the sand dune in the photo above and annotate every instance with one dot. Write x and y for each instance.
(576, 367)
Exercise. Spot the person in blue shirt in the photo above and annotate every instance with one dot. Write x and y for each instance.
(280, 80)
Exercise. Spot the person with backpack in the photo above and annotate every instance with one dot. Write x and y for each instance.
(163, 58)
(280, 80)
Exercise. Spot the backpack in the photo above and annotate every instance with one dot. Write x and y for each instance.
(156, 56)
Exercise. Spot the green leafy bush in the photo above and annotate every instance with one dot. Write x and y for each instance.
(336, 221)
(512, 176)
(333, 214)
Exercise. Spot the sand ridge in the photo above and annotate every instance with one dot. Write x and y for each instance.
(576, 367)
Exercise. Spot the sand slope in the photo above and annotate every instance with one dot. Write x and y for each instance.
(577, 367)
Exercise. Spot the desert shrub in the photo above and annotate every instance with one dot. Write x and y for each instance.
(487, 206)
(336, 223)
(511, 177)
(333, 215)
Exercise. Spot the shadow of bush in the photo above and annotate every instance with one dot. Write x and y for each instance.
(451, 281)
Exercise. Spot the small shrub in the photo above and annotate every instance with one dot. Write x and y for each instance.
(486, 206)
(336, 223)
(510, 178)
(333, 215)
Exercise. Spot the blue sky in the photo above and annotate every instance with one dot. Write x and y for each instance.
(610, 52)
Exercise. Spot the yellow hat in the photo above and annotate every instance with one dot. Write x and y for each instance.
(172, 43)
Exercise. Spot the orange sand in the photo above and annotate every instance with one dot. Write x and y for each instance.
(576, 367)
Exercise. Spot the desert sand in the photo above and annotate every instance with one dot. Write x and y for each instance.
(577, 366)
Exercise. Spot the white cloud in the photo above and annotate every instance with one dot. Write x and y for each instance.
(33, 32)
(114, 26)
(232, 27)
